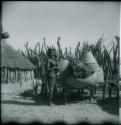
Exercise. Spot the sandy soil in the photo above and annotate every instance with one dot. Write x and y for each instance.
(30, 108)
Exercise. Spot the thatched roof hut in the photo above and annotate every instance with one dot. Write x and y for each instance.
(14, 66)
(11, 58)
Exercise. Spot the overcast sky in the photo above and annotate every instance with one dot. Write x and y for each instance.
(72, 21)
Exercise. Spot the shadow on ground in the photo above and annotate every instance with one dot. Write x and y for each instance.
(39, 100)
(110, 106)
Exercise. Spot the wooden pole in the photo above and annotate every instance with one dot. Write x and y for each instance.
(105, 86)
(110, 91)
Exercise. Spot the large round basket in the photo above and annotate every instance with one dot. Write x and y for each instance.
(64, 68)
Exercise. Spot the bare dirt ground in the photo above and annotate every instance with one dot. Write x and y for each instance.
(29, 108)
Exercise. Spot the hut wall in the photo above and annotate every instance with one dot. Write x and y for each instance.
(16, 81)
(15, 75)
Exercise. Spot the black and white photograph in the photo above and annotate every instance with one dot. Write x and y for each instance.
(60, 62)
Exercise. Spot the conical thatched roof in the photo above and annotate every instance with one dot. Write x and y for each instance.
(11, 58)
(89, 60)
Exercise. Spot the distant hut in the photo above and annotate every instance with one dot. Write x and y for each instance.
(14, 66)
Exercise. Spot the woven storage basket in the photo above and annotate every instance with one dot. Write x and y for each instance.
(96, 78)
(80, 70)
(89, 60)
(65, 68)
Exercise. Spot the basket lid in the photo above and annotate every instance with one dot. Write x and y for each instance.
(89, 60)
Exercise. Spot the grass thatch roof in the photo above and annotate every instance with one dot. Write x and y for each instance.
(11, 58)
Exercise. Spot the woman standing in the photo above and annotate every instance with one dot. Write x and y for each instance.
(51, 73)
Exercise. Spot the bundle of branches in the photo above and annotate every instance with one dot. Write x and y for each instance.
(37, 56)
